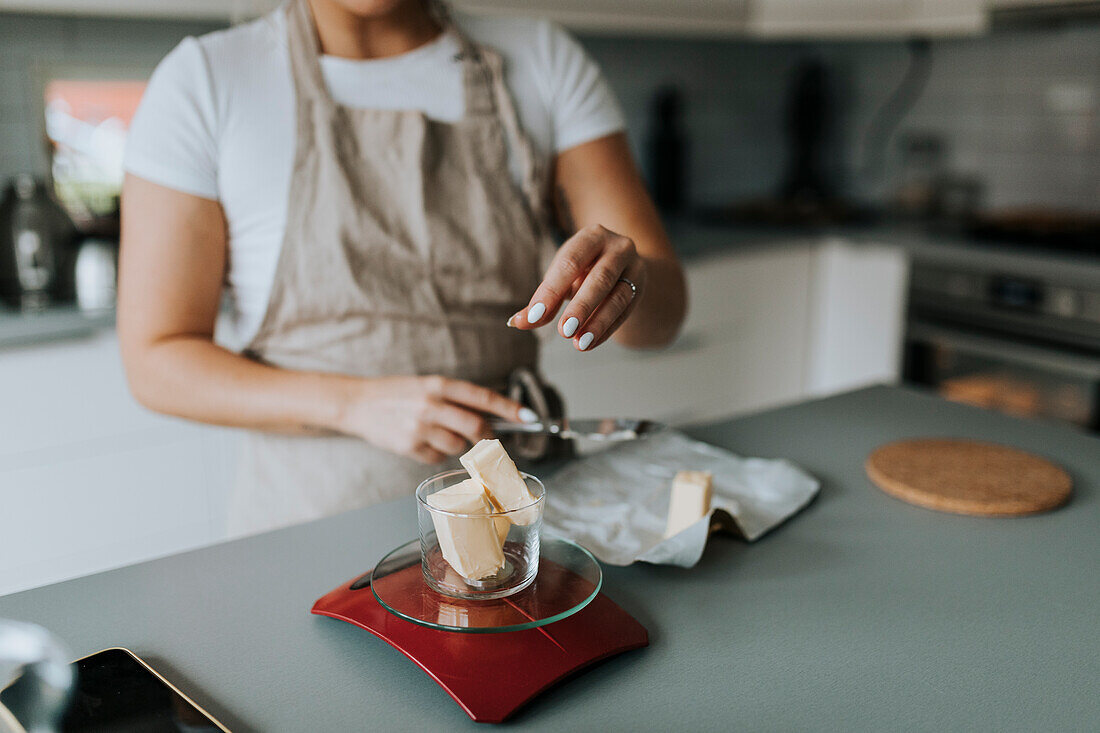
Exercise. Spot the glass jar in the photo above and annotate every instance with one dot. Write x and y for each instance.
(483, 555)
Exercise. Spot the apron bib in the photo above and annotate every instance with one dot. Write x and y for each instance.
(407, 247)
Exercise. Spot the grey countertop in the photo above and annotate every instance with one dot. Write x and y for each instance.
(862, 613)
(56, 323)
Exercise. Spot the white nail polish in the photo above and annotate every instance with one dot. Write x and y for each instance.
(511, 321)
(526, 414)
(534, 313)
(570, 327)
(586, 340)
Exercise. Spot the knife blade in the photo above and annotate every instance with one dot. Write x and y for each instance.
(609, 429)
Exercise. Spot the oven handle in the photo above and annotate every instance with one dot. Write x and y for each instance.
(1007, 351)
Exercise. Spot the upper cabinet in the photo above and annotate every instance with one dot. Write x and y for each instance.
(218, 10)
(1029, 12)
(656, 17)
(865, 18)
(751, 18)
(756, 18)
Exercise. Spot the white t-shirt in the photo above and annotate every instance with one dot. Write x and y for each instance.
(218, 120)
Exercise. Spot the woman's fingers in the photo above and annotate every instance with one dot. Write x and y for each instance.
(470, 425)
(610, 313)
(600, 284)
(482, 399)
(426, 454)
(444, 441)
(586, 271)
(570, 263)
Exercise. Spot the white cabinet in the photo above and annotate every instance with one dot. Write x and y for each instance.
(89, 480)
(865, 18)
(659, 17)
(742, 348)
(857, 315)
(756, 18)
(223, 10)
(771, 18)
(766, 326)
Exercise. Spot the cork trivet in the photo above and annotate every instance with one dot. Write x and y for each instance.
(968, 477)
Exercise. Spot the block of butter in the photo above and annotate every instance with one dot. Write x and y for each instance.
(471, 545)
(690, 500)
(490, 464)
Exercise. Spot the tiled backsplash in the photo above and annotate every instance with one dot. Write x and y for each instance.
(35, 48)
(1020, 110)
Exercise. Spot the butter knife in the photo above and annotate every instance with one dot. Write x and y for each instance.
(609, 429)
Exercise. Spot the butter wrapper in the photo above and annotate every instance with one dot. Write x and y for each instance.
(615, 503)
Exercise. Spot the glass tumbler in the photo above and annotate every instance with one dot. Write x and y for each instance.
(479, 556)
(35, 678)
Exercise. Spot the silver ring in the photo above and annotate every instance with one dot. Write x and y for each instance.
(633, 287)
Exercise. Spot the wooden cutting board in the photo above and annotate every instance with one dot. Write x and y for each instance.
(968, 477)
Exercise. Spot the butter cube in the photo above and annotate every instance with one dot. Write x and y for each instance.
(489, 463)
(690, 500)
(470, 544)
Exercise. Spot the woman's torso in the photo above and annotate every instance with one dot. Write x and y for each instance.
(235, 134)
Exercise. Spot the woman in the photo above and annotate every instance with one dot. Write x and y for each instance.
(368, 182)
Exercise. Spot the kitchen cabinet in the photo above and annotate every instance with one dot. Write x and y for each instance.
(89, 479)
(225, 10)
(857, 315)
(865, 18)
(768, 18)
(657, 17)
(743, 346)
(1048, 9)
(766, 326)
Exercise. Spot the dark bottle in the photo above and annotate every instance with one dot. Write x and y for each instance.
(668, 151)
(36, 238)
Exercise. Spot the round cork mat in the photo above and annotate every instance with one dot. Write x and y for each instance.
(968, 477)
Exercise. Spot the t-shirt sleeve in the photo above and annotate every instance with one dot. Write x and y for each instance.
(172, 137)
(581, 103)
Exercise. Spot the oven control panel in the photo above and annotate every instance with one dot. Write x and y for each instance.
(1011, 303)
(1007, 291)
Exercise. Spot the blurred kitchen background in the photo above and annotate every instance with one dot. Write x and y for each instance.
(862, 191)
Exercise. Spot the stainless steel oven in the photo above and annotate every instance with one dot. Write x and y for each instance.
(1016, 334)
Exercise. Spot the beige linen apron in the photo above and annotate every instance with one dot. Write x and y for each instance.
(407, 247)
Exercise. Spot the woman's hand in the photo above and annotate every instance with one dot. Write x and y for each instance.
(426, 418)
(593, 270)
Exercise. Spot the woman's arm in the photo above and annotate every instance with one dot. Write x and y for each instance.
(601, 197)
(170, 280)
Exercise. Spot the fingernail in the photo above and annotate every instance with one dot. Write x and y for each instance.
(511, 321)
(526, 414)
(586, 340)
(570, 327)
(535, 312)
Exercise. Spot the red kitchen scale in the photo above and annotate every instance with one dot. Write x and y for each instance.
(491, 656)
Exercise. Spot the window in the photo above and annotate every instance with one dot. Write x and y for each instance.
(86, 123)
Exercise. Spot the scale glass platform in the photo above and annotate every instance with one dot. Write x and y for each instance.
(491, 657)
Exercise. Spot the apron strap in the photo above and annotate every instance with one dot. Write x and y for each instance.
(487, 93)
(530, 164)
(305, 54)
(477, 81)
